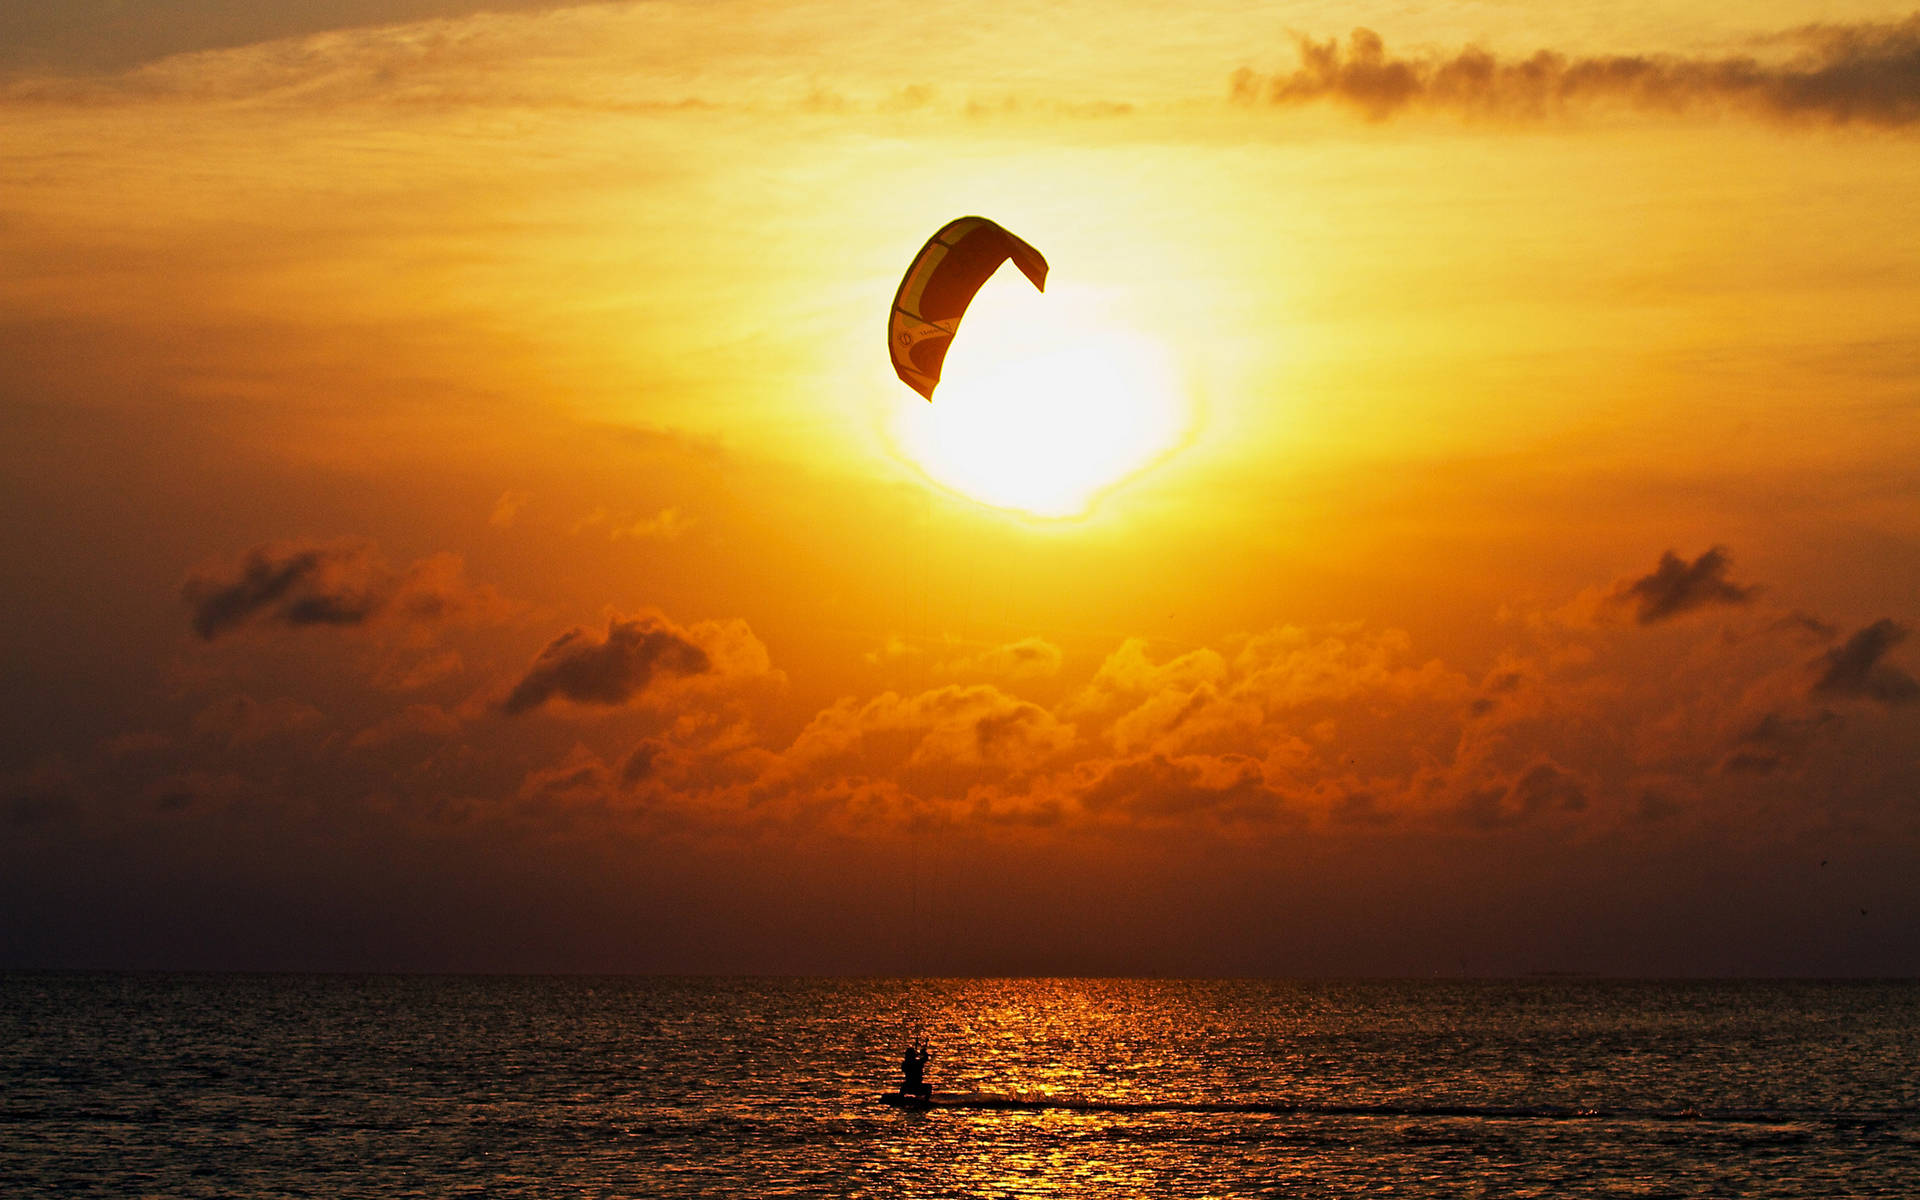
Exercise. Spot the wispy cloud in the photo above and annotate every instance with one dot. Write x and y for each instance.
(506, 510)
(93, 35)
(1866, 73)
(665, 525)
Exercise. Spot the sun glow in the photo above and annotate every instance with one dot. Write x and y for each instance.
(1043, 405)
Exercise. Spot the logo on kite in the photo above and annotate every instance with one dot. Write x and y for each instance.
(941, 281)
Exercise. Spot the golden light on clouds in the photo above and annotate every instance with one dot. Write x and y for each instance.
(1046, 403)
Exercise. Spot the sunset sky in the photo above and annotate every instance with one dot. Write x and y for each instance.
(1454, 510)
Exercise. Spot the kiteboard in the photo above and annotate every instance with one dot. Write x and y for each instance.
(907, 1102)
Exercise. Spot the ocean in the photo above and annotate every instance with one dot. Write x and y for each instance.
(426, 1086)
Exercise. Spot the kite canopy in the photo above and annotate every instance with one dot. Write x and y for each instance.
(954, 264)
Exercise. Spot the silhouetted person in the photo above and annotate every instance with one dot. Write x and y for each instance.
(913, 1069)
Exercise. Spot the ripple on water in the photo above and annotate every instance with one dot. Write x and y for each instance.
(386, 1086)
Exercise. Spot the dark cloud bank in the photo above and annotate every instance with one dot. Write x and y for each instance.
(1866, 74)
(1211, 769)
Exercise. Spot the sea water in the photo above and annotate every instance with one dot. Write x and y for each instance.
(388, 1086)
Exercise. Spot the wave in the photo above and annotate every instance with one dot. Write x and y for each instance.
(1040, 1101)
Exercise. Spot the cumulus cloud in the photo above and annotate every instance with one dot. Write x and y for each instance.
(1342, 729)
(1290, 667)
(612, 669)
(414, 721)
(1855, 668)
(1775, 741)
(1501, 682)
(948, 729)
(1130, 673)
(1544, 787)
(1677, 586)
(1028, 658)
(1257, 698)
(407, 672)
(580, 780)
(1176, 719)
(642, 762)
(340, 583)
(1230, 788)
(1866, 73)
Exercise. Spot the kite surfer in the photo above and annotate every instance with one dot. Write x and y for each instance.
(913, 1069)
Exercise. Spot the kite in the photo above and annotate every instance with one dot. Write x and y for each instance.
(939, 284)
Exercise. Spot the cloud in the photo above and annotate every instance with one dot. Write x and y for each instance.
(1339, 730)
(408, 672)
(957, 731)
(1028, 658)
(1866, 73)
(1229, 788)
(434, 589)
(1854, 668)
(1677, 586)
(1174, 719)
(668, 523)
(664, 525)
(94, 35)
(1291, 667)
(1503, 681)
(506, 510)
(580, 780)
(609, 670)
(1274, 683)
(341, 584)
(1775, 741)
(289, 583)
(623, 58)
(1544, 787)
(1130, 673)
(416, 720)
(642, 763)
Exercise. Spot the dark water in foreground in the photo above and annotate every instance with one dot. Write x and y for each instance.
(227, 1085)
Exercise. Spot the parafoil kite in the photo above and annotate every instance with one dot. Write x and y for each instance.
(954, 264)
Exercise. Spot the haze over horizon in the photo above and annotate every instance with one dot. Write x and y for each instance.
(1452, 511)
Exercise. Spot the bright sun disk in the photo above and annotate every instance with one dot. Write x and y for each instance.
(1042, 406)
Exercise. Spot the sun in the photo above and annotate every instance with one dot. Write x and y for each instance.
(1044, 404)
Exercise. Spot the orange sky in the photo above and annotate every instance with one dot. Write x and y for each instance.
(460, 513)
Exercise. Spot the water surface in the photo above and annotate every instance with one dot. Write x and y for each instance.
(387, 1086)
